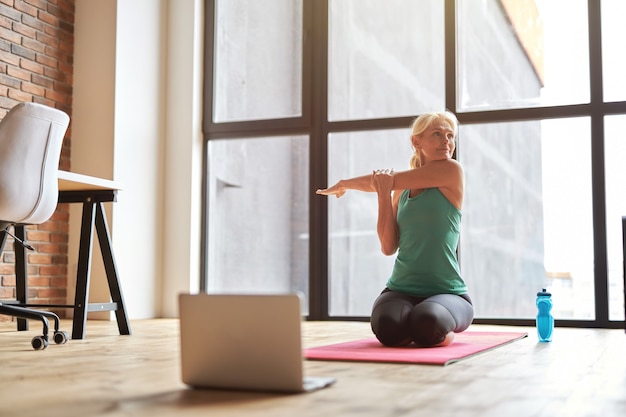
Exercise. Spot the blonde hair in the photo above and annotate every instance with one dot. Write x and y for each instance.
(423, 122)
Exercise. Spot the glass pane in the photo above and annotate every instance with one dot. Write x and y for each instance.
(386, 58)
(522, 53)
(358, 269)
(614, 151)
(258, 60)
(614, 60)
(527, 217)
(258, 215)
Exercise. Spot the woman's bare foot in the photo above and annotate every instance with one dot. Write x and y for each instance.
(447, 341)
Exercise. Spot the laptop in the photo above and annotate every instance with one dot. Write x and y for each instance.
(244, 342)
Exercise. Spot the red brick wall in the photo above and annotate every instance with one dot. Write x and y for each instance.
(36, 65)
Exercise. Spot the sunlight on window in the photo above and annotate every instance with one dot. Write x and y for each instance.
(258, 217)
(567, 211)
(566, 51)
(386, 58)
(258, 60)
(522, 53)
(614, 59)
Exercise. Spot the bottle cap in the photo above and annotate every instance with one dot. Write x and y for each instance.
(543, 293)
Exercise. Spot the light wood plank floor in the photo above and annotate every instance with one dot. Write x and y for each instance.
(581, 373)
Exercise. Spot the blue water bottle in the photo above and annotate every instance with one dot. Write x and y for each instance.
(545, 321)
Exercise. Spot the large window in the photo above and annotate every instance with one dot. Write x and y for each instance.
(301, 93)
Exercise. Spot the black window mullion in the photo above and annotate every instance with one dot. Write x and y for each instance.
(207, 112)
(598, 193)
(450, 54)
(266, 127)
(316, 47)
(597, 164)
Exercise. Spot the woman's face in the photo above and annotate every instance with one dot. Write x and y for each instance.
(436, 142)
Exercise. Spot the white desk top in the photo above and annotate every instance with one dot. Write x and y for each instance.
(71, 181)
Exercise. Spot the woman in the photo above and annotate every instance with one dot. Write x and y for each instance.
(419, 215)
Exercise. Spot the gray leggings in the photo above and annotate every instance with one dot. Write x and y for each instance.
(399, 319)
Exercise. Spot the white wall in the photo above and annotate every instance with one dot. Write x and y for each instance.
(136, 120)
(93, 119)
(183, 162)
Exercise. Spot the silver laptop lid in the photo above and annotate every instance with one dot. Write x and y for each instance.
(249, 342)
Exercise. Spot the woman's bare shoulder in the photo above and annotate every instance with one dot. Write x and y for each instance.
(449, 167)
(449, 164)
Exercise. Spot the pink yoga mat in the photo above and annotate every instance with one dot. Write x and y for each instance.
(465, 344)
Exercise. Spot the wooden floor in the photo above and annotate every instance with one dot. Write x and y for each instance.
(581, 373)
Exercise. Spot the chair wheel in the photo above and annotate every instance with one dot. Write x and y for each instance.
(60, 337)
(39, 343)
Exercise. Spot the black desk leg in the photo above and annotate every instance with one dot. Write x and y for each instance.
(21, 273)
(104, 239)
(84, 271)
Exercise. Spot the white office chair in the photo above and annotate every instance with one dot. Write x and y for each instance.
(31, 136)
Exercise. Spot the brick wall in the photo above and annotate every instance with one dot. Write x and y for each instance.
(36, 58)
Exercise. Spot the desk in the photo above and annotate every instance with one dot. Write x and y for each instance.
(91, 192)
(71, 181)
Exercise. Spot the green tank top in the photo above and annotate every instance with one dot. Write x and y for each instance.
(426, 263)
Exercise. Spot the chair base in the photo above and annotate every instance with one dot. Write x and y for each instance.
(38, 342)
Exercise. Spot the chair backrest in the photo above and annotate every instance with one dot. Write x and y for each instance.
(31, 136)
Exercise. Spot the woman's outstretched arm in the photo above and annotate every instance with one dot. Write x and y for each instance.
(362, 183)
(436, 174)
(446, 175)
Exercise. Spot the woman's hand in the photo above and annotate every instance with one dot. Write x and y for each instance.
(382, 181)
(337, 190)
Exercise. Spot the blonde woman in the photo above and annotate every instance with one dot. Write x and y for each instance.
(425, 300)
